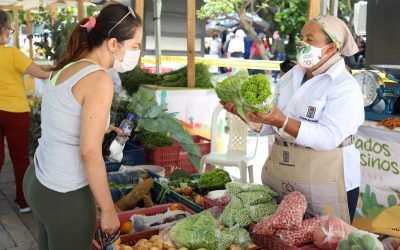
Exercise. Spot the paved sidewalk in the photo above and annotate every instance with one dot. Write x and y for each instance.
(17, 231)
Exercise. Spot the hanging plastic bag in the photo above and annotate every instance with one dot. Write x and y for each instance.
(360, 240)
(331, 232)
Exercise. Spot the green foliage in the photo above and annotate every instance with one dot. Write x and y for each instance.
(154, 118)
(179, 174)
(59, 29)
(153, 140)
(214, 8)
(255, 92)
(132, 80)
(178, 78)
(214, 179)
(228, 90)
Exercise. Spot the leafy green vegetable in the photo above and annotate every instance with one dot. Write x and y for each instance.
(132, 80)
(229, 90)
(179, 174)
(214, 179)
(196, 231)
(178, 78)
(256, 93)
(153, 118)
(152, 140)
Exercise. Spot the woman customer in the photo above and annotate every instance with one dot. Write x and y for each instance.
(319, 108)
(68, 174)
(14, 108)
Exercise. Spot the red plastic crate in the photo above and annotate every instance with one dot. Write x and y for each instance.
(208, 203)
(274, 243)
(185, 164)
(126, 215)
(205, 148)
(166, 157)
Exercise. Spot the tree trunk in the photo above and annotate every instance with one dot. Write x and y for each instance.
(253, 35)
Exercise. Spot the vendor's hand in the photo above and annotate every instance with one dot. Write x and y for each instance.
(229, 106)
(113, 128)
(275, 117)
(109, 221)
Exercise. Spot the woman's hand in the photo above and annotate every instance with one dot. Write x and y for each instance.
(112, 128)
(229, 106)
(109, 221)
(118, 131)
(275, 117)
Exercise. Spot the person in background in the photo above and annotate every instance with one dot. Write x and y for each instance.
(286, 66)
(69, 173)
(236, 47)
(14, 107)
(215, 45)
(318, 110)
(278, 50)
(228, 39)
(256, 55)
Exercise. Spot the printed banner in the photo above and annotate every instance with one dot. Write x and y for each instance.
(378, 208)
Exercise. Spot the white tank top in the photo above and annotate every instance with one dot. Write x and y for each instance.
(58, 162)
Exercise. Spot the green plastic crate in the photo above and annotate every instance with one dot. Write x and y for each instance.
(179, 198)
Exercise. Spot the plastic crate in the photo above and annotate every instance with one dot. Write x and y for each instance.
(166, 157)
(274, 243)
(133, 155)
(208, 203)
(205, 148)
(185, 164)
(125, 216)
(174, 196)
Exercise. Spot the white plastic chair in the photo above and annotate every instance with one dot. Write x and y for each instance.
(236, 155)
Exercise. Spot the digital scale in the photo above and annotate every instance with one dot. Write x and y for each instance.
(380, 97)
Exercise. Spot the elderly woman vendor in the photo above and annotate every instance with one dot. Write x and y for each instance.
(319, 108)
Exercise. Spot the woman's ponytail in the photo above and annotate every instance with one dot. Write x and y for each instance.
(78, 44)
(91, 32)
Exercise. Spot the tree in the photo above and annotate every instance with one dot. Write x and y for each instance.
(289, 17)
(57, 29)
(215, 9)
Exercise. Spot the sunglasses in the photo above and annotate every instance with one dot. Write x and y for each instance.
(106, 240)
(122, 19)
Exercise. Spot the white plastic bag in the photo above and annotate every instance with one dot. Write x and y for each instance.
(142, 222)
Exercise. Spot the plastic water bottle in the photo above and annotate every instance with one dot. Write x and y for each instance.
(127, 126)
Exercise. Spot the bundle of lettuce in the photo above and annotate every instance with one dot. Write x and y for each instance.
(249, 94)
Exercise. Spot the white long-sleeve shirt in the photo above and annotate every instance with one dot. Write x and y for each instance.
(330, 108)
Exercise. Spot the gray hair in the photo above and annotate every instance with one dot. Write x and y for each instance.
(5, 19)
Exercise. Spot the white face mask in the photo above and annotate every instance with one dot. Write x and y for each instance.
(129, 62)
(308, 55)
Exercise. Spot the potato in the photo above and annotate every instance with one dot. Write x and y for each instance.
(158, 244)
(169, 244)
(183, 248)
(154, 248)
(142, 241)
(235, 247)
(172, 248)
(125, 247)
(252, 246)
(118, 242)
(154, 238)
(149, 244)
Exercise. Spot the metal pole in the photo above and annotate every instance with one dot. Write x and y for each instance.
(334, 7)
(157, 32)
(324, 7)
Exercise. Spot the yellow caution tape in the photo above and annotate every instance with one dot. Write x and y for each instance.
(220, 62)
